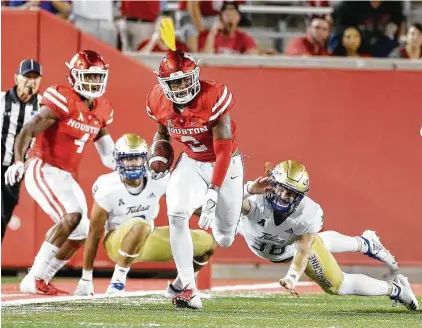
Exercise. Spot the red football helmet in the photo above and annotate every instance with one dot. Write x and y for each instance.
(88, 74)
(179, 77)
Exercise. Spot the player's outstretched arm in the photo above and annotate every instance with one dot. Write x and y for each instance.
(96, 227)
(105, 146)
(303, 247)
(260, 186)
(33, 128)
(162, 133)
(222, 134)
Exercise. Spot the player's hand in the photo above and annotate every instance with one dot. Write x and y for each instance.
(159, 175)
(14, 173)
(289, 285)
(260, 185)
(208, 209)
(155, 175)
(85, 288)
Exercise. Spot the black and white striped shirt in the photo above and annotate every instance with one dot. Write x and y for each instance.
(14, 115)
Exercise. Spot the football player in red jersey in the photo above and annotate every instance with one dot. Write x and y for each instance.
(70, 117)
(209, 172)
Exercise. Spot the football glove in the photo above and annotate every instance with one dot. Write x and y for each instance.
(208, 209)
(14, 173)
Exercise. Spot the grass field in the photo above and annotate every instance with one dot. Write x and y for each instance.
(246, 309)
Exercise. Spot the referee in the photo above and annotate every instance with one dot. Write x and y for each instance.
(18, 105)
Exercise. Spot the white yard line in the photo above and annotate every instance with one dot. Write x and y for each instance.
(14, 295)
(77, 298)
(271, 285)
(134, 294)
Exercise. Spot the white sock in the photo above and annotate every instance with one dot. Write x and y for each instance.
(364, 246)
(360, 284)
(182, 249)
(42, 260)
(177, 283)
(119, 274)
(53, 267)
(338, 243)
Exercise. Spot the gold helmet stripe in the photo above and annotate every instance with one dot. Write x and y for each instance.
(134, 141)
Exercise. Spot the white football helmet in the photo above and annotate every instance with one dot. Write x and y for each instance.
(130, 154)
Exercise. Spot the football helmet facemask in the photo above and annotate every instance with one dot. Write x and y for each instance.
(130, 154)
(88, 74)
(290, 175)
(178, 76)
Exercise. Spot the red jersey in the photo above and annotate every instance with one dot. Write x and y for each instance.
(62, 144)
(403, 53)
(239, 43)
(301, 46)
(193, 127)
(147, 11)
(207, 8)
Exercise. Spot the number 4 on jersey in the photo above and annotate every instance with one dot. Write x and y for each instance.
(81, 143)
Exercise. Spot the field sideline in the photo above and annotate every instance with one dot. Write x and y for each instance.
(238, 304)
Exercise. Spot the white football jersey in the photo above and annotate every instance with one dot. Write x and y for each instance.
(275, 243)
(111, 194)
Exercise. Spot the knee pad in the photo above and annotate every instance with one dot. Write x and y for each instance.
(81, 231)
(224, 238)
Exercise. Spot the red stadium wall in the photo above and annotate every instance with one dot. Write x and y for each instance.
(358, 132)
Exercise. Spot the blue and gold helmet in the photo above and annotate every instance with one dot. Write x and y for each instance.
(130, 155)
(290, 175)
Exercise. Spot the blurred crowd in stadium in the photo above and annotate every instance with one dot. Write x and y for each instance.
(295, 28)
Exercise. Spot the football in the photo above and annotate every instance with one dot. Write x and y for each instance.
(160, 156)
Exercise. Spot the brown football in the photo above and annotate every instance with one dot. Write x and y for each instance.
(160, 156)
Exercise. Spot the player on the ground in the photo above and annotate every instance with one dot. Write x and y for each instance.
(281, 224)
(126, 204)
(70, 117)
(210, 170)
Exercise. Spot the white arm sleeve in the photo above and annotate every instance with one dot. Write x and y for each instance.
(105, 147)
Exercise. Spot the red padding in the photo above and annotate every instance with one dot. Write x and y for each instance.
(222, 149)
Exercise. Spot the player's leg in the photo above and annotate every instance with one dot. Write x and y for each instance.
(53, 190)
(229, 204)
(124, 246)
(204, 247)
(185, 192)
(368, 243)
(324, 270)
(76, 238)
(157, 248)
(62, 257)
(33, 184)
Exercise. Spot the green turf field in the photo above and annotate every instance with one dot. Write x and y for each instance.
(221, 310)
(10, 280)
